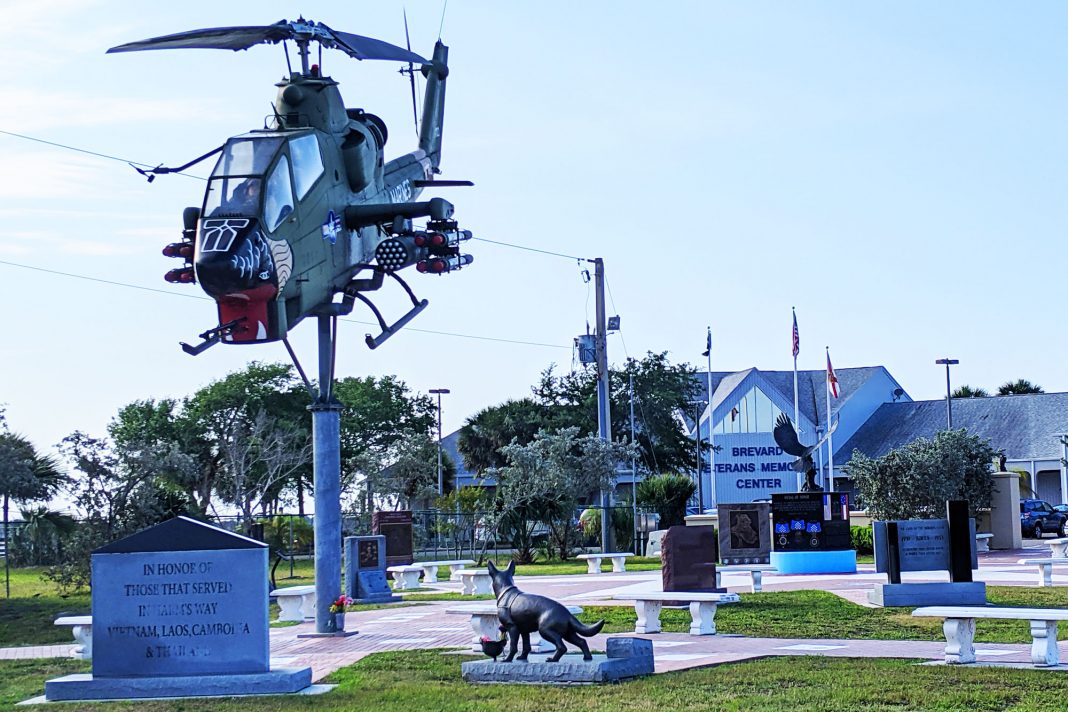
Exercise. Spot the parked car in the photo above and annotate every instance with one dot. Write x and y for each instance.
(1038, 517)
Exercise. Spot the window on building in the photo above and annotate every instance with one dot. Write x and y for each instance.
(752, 413)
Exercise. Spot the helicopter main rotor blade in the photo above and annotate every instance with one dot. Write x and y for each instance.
(235, 38)
(238, 38)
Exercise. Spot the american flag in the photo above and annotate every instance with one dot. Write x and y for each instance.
(832, 380)
(797, 338)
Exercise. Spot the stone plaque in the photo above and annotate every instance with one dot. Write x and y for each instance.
(688, 557)
(396, 527)
(810, 521)
(923, 545)
(365, 570)
(745, 533)
(180, 598)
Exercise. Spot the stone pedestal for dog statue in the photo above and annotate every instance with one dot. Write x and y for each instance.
(624, 658)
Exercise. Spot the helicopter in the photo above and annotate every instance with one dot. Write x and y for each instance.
(306, 207)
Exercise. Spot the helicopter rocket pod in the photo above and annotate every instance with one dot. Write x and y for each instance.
(294, 212)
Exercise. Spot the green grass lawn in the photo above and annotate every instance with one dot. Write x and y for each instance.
(429, 680)
(819, 614)
(445, 596)
(558, 568)
(27, 617)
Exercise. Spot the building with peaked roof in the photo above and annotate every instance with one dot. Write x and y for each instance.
(1031, 429)
(747, 464)
(874, 414)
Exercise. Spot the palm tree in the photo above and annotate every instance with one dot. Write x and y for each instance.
(25, 475)
(967, 391)
(1019, 387)
(43, 526)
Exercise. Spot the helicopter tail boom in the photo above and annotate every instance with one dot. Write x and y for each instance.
(434, 104)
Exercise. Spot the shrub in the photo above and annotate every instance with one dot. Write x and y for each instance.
(862, 539)
(668, 495)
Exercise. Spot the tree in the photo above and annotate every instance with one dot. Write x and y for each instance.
(915, 480)
(260, 454)
(550, 475)
(25, 475)
(967, 391)
(42, 534)
(1020, 386)
(413, 475)
(380, 417)
(486, 432)
(662, 391)
(668, 495)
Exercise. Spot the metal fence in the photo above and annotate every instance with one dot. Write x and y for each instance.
(436, 534)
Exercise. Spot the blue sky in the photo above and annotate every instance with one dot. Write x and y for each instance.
(893, 170)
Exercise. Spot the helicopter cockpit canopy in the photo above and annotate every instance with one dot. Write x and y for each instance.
(249, 182)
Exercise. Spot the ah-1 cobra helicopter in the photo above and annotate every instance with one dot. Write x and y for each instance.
(295, 211)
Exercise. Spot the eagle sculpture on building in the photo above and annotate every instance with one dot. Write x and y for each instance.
(786, 438)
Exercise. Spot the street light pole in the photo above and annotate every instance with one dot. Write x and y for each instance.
(439, 392)
(947, 362)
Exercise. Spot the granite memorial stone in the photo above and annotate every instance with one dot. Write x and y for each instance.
(928, 545)
(745, 533)
(811, 521)
(688, 557)
(396, 527)
(365, 570)
(173, 604)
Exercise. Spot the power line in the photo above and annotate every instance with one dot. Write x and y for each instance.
(204, 298)
(91, 153)
(530, 249)
(124, 160)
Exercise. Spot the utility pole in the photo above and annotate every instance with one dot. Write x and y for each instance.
(604, 413)
(439, 392)
(633, 472)
(947, 362)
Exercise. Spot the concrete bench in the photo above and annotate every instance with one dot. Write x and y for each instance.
(593, 561)
(484, 622)
(83, 635)
(755, 571)
(295, 603)
(982, 542)
(475, 581)
(405, 578)
(959, 627)
(702, 609)
(430, 568)
(1045, 568)
(1058, 548)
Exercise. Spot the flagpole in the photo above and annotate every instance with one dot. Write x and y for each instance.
(830, 437)
(797, 420)
(711, 422)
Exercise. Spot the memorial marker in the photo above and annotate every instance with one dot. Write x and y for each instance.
(174, 605)
(365, 570)
(745, 533)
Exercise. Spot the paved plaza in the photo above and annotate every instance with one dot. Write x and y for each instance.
(429, 625)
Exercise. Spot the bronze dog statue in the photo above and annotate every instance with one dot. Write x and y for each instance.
(523, 613)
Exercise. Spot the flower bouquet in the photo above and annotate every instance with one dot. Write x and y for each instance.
(341, 604)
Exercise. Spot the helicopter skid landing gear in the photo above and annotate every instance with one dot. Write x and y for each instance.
(211, 337)
(389, 330)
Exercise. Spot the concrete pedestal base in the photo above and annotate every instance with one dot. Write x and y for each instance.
(84, 686)
(815, 562)
(626, 657)
(929, 594)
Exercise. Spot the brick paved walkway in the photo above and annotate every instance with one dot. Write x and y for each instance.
(429, 626)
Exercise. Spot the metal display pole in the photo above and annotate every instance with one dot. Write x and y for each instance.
(326, 438)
